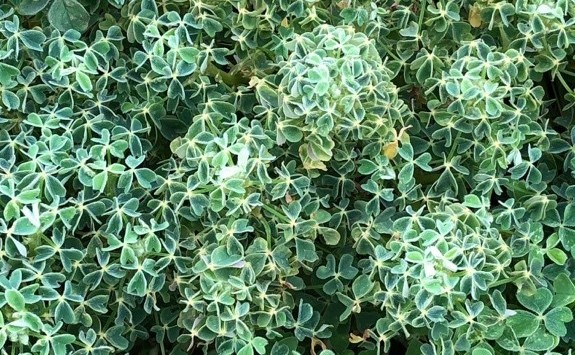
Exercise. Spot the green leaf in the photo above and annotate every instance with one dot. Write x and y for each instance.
(60, 342)
(145, 177)
(564, 291)
(67, 15)
(15, 300)
(115, 337)
(330, 235)
(138, 284)
(55, 187)
(291, 133)
(220, 258)
(189, 54)
(10, 100)
(508, 340)
(346, 269)
(7, 72)
(99, 181)
(33, 39)
(362, 286)
(31, 7)
(98, 303)
(260, 344)
(569, 215)
(557, 255)
(246, 350)
(84, 81)
(555, 320)
(537, 301)
(432, 286)
(23, 226)
(473, 201)
(305, 250)
(523, 323)
(540, 341)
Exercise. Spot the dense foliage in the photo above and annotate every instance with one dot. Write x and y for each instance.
(287, 177)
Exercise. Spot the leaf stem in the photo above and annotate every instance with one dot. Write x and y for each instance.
(227, 78)
(268, 232)
(564, 83)
(276, 213)
(502, 281)
(423, 4)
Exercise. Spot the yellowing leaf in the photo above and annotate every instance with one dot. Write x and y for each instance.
(343, 4)
(403, 136)
(354, 339)
(475, 16)
(390, 150)
(315, 342)
(309, 163)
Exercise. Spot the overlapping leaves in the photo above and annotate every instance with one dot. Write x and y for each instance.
(286, 177)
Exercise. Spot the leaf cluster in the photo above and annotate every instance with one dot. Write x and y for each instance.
(287, 177)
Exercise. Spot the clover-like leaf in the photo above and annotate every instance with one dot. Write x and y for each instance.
(68, 15)
(15, 300)
(564, 291)
(537, 301)
(556, 319)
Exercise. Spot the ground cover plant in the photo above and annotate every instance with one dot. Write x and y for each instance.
(287, 177)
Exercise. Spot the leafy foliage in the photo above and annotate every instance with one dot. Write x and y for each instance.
(287, 177)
